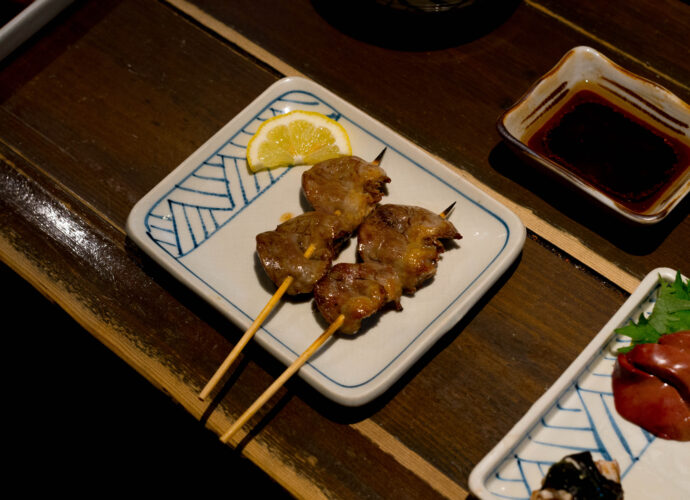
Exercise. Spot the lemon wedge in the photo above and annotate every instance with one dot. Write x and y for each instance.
(296, 138)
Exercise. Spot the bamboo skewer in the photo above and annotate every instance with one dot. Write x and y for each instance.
(251, 331)
(294, 367)
(225, 366)
(447, 211)
(377, 160)
(280, 381)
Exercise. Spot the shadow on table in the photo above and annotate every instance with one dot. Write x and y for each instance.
(414, 30)
(350, 415)
(296, 387)
(636, 239)
(84, 418)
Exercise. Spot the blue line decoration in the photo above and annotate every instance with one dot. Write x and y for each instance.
(221, 186)
(213, 193)
(582, 418)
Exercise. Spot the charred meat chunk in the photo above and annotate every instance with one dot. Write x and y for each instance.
(347, 186)
(281, 251)
(407, 238)
(356, 291)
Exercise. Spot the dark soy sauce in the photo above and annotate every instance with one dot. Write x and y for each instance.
(612, 150)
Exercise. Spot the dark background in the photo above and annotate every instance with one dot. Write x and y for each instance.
(83, 422)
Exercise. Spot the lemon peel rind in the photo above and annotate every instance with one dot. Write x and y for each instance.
(341, 141)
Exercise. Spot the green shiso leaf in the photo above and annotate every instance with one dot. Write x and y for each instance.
(671, 314)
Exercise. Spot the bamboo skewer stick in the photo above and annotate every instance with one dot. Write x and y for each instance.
(280, 381)
(251, 331)
(447, 211)
(379, 158)
(294, 367)
(227, 363)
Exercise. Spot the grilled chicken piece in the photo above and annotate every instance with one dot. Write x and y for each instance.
(281, 251)
(357, 291)
(406, 238)
(347, 186)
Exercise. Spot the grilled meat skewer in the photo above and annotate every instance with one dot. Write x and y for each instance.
(342, 191)
(299, 251)
(351, 292)
(282, 251)
(356, 291)
(347, 186)
(408, 238)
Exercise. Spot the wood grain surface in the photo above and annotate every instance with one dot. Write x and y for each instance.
(449, 99)
(111, 96)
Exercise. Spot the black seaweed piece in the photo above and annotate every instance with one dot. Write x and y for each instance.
(583, 481)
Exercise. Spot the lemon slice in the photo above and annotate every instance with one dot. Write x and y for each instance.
(296, 138)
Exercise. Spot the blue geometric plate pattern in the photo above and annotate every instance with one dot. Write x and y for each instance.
(200, 223)
(221, 186)
(580, 415)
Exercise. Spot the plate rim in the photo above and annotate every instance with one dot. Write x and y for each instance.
(498, 454)
(354, 396)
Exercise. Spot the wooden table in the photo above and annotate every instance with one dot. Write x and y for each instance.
(112, 95)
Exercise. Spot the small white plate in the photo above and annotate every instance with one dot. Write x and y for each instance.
(585, 68)
(578, 414)
(200, 224)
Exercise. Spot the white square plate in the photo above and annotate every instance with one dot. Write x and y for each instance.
(576, 414)
(200, 224)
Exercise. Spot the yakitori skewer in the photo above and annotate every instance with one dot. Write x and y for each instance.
(406, 237)
(280, 381)
(316, 195)
(369, 286)
(375, 281)
(347, 184)
(247, 336)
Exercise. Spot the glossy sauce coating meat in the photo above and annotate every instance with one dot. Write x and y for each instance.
(347, 186)
(356, 291)
(651, 386)
(406, 238)
(281, 251)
